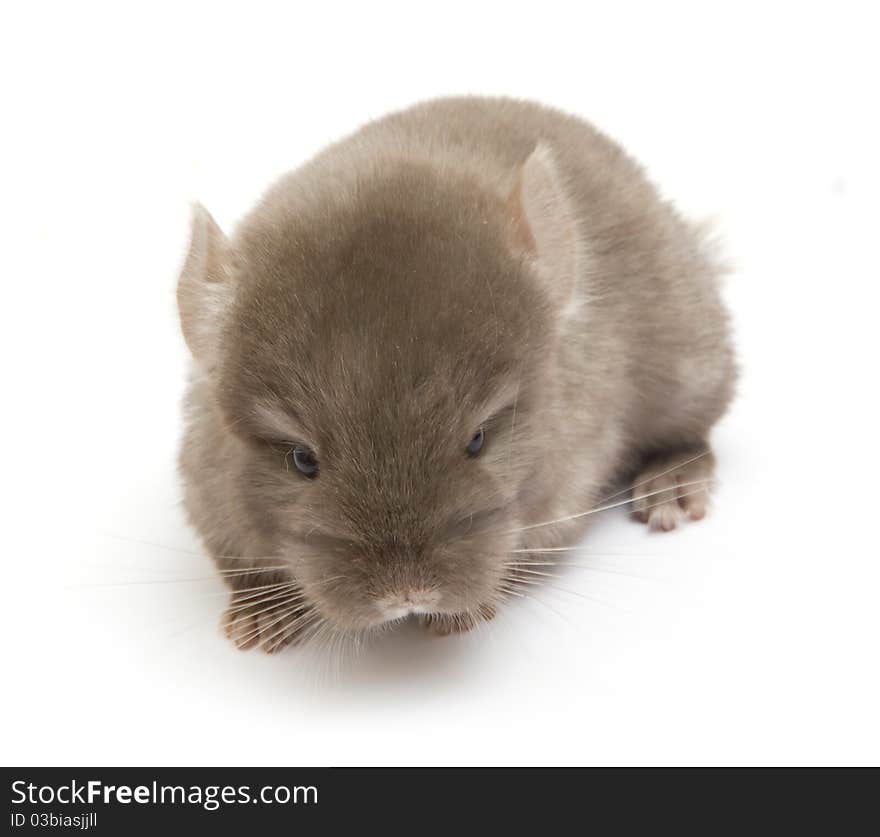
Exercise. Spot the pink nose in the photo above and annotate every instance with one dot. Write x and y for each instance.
(413, 601)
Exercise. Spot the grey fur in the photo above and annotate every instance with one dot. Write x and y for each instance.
(464, 263)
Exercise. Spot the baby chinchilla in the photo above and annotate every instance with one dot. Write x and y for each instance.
(427, 354)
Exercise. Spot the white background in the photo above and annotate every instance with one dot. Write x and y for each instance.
(748, 638)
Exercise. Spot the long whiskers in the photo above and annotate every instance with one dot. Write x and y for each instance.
(518, 567)
(162, 580)
(254, 590)
(182, 551)
(542, 549)
(541, 583)
(284, 594)
(249, 571)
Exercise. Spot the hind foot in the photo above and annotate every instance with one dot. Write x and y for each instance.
(672, 486)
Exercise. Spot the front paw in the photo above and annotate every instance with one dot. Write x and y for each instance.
(269, 624)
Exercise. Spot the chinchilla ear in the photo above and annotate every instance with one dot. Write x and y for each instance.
(205, 288)
(544, 226)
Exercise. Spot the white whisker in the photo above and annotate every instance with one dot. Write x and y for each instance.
(183, 551)
(151, 581)
(654, 477)
(516, 568)
(520, 569)
(249, 571)
(677, 496)
(585, 554)
(582, 595)
(270, 601)
(608, 506)
(255, 590)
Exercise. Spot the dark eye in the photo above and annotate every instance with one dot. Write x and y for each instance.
(475, 445)
(305, 461)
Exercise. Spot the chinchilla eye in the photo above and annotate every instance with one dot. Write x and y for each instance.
(305, 461)
(475, 445)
